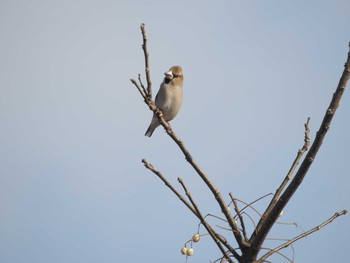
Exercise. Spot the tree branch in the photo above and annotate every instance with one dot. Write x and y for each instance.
(224, 208)
(151, 168)
(142, 86)
(278, 192)
(259, 236)
(286, 244)
(147, 70)
(139, 89)
(239, 216)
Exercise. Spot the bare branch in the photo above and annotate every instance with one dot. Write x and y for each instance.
(279, 253)
(139, 89)
(147, 70)
(250, 204)
(215, 216)
(141, 84)
(251, 219)
(275, 238)
(258, 236)
(224, 208)
(286, 244)
(300, 153)
(239, 216)
(151, 168)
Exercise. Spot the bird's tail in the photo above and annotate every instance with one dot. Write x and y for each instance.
(149, 131)
(154, 124)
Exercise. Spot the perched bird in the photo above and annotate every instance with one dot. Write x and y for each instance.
(169, 97)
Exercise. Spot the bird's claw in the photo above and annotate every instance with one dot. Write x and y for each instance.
(158, 112)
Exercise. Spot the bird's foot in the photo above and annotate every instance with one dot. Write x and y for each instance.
(158, 112)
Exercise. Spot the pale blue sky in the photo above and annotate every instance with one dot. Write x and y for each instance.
(72, 186)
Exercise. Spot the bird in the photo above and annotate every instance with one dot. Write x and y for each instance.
(169, 97)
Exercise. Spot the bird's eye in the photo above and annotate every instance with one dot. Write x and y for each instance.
(175, 75)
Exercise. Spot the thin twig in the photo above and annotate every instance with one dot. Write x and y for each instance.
(239, 216)
(250, 204)
(300, 153)
(275, 238)
(141, 84)
(139, 89)
(147, 69)
(286, 244)
(251, 219)
(279, 253)
(222, 260)
(215, 216)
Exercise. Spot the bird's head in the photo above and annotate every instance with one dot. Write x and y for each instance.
(174, 75)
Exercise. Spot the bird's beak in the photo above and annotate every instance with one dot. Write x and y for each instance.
(168, 75)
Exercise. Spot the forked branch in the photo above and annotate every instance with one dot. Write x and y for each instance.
(263, 229)
(219, 240)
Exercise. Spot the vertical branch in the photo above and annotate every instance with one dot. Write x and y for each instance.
(147, 70)
(141, 84)
(278, 192)
(239, 216)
